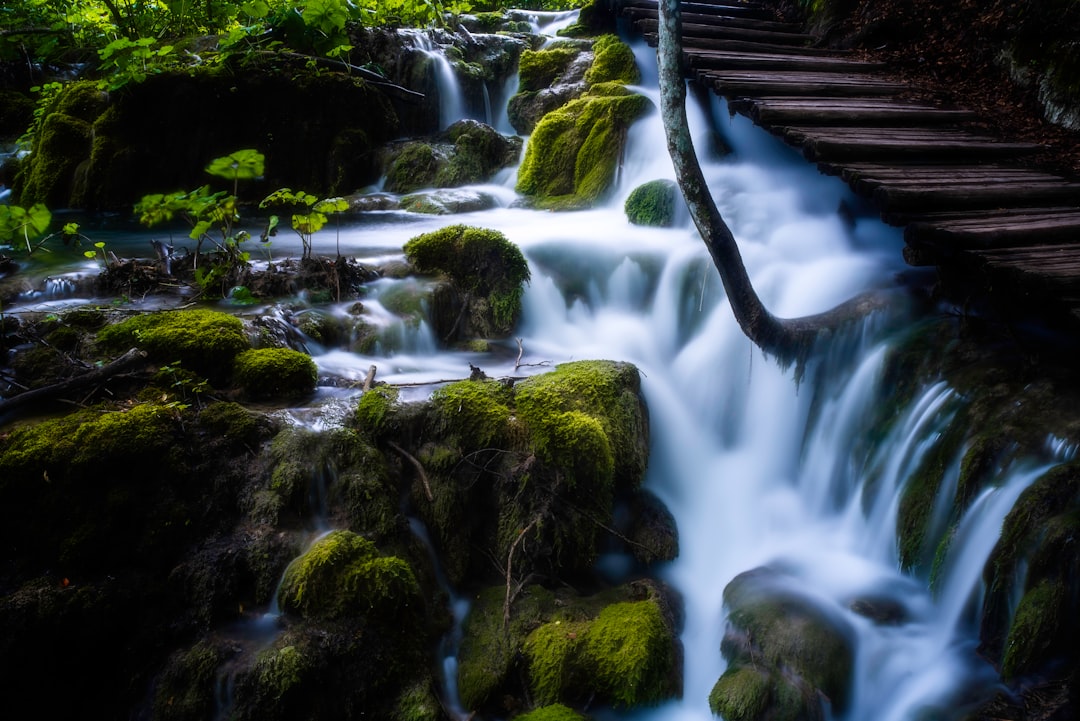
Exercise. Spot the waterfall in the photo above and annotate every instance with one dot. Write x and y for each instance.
(756, 468)
(451, 103)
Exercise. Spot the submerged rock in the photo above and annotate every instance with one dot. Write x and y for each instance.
(652, 204)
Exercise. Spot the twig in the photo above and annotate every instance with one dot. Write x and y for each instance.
(521, 352)
(373, 78)
(368, 379)
(131, 358)
(510, 569)
(419, 468)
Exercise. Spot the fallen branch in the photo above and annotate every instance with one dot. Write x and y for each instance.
(418, 466)
(510, 569)
(373, 78)
(132, 358)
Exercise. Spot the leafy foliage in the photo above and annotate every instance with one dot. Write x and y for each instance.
(310, 216)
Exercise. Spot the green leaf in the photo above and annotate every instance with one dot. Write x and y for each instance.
(71, 229)
(90, 254)
(245, 164)
(331, 205)
(38, 219)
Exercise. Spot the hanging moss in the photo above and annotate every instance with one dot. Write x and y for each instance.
(1036, 633)
(418, 703)
(343, 574)
(652, 204)
(186, 688)
(275, 373)
(48, 177)
(573, 155)
(204, 341)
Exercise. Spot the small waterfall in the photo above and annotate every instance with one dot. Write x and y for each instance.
(451, 106)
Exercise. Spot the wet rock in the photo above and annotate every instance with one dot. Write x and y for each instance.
(448, 202)
(549, 78)
(789, 658)
(468, 152)
(652, 204)
(274, 373)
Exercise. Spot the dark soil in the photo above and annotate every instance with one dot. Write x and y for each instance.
(947, 51)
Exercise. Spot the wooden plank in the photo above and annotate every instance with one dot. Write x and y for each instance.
(744, 46)
(751, 35)
(723, 60)
(996, 233)
(942, 216)
(854, 115)
(700, 18)
(979, 195)
(734, 84)
(902, 146)
(867, 185)
(739, 10)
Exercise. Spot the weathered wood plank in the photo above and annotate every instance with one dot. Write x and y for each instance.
(996, 233)
(724, 60)
(854, 115)
(741, 10)
(734, 84)
(867, 185)
(744, 46)
(749, 34)
(979, 195)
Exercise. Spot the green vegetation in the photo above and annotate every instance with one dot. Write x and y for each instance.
(555, 712)
(652, 204)
(343, 574)
(275, 372)
(204, 341)
(481, 264)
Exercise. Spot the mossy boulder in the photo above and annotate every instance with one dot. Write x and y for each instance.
(204, 341)
(547, 79)
(467, 152)
(342, 575)
(652, 204)
(572, 158)
(617, 646)
(613, 62)
(61, 147)
(275, 373)
(487, 274)
(785, 653)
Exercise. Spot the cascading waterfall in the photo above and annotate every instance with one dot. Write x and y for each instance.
(451, 105)
(756, 468)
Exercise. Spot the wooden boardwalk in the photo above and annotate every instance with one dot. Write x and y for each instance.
(965, 201)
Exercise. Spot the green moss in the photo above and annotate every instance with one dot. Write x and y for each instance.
(186, 689)
(601, 400)
(204, 341)
(474, 413)
(413, 168)
(628, 650)
(553, 651)
(280, 670)
(82, 100)
(418, 703)
(555, 712)
(574, 152)
(61, 145)
(614, 62)
(275, 373)
(480, 263)
(342, 574)
(1036, 631)
(742, 693)
(374, 407)
(230, 421)
(652, 204)
(538, 69)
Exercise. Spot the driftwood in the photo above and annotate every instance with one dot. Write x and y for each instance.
(132, 358)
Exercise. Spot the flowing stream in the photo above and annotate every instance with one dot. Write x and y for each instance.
(755, 467)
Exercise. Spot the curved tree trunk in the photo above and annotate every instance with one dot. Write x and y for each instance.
(789, 340)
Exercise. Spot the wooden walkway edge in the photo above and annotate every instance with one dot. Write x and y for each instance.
(965, 200)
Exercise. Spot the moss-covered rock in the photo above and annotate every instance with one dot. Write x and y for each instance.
(343, 574)
(60, 149)
(204, 341)
(613, 62)
(574, 152)
(275, 373)
(487, 272)
(617, 646)
(547, 79)
(467, 152)
(785, 653)
(652, 204)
